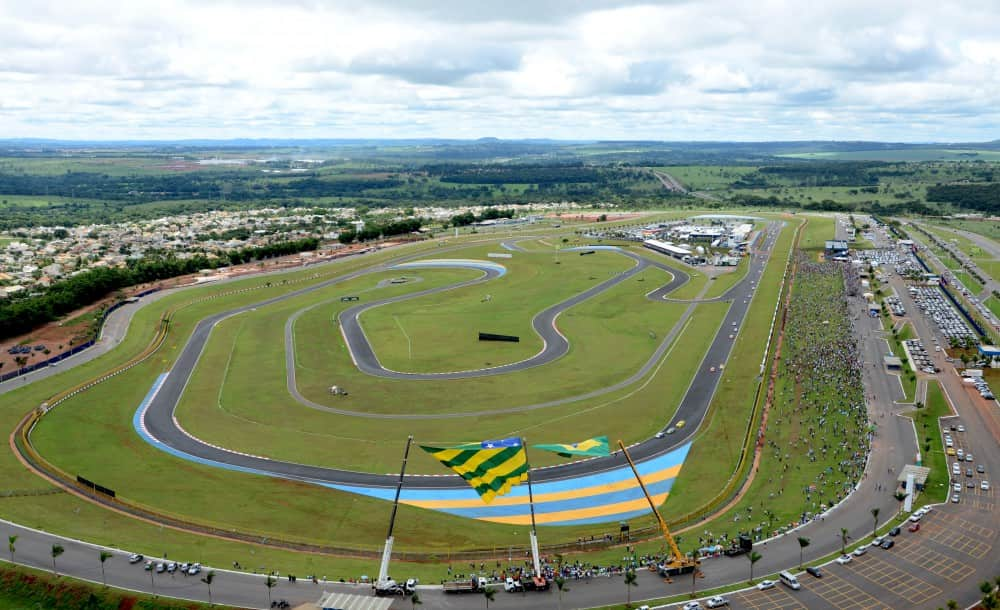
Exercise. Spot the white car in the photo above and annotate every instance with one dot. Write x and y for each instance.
(194, 569)
(717, 602)
(961, 428)
(765, 584)
(135, 558)
(984, 485)
(877, 541)
(861, 550)
(844, 559)
(956, 487)
(955, 498)
(691, 606)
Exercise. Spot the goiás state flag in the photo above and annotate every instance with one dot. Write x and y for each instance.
(490, 467)
(592, 447)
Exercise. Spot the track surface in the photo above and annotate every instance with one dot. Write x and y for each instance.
(160, 422)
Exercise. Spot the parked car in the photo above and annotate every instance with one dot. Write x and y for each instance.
(194, 569)
(984, 485)
(888, 544)
(765, 584)
(915, 527)
(148, 567)
(717, 602)
(955, 498)
(861, 550)
(894, 531)
(818, 573)
(692, 606)
(161, 568)
(980, 468)
(135, 558)
(844, 559)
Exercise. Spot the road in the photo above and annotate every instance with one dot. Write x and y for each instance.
(988, 245)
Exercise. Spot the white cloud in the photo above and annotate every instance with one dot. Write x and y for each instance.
(894, 70)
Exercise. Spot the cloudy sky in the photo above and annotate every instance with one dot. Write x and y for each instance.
(902, 70)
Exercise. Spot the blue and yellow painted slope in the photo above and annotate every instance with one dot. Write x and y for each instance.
(608, 496)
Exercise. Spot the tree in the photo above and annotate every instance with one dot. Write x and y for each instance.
(104, 556)
(561, 586)
(629, 583)
(952, 604)
(11, 541)
(271, 582)
(489, 593)
(803, 543)
(57, 550)
(875, 512)
(415, 600)
(844, 537)
(754, 557)
(207, 579)
(900, 496)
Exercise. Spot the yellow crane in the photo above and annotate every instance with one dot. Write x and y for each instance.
(679, 563)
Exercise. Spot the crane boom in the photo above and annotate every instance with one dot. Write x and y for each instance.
(678, 556)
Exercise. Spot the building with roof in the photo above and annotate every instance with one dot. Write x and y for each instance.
(666, 248)
(919, 473)
(835, 247)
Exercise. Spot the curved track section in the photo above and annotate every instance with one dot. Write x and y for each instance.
(554, 344)
(158, 426)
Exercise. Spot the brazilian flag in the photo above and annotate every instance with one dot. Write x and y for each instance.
(592, 447)
(490, 467)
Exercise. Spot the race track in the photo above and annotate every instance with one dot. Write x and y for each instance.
(159, 424)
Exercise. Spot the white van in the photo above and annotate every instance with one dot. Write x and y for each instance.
(789, 580)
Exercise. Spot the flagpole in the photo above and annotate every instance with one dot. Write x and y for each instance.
(531, 506)
(383, 570)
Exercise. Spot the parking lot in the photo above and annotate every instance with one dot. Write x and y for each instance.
(922, 570)
(967, 474)
(933, 304)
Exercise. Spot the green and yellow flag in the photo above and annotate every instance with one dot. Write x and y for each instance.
(594, 447)
(490, 467)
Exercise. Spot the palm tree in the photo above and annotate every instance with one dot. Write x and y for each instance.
(11, 540)
(803, 543)
(270, 583)
(561, 586)
(489, 593)
(952, 604)
(844, 537)
(629, 583)
(875, 512)
(57, 550)
(208, 578)
(104, 556)
(900, 496)
(415, 600)
(754, 557)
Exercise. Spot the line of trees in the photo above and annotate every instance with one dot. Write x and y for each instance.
(374, 231)
(19, 315)
(462, 220)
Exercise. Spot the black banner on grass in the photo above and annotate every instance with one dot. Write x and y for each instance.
(493, 337)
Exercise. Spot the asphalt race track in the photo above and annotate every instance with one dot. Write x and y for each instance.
(160, 424)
